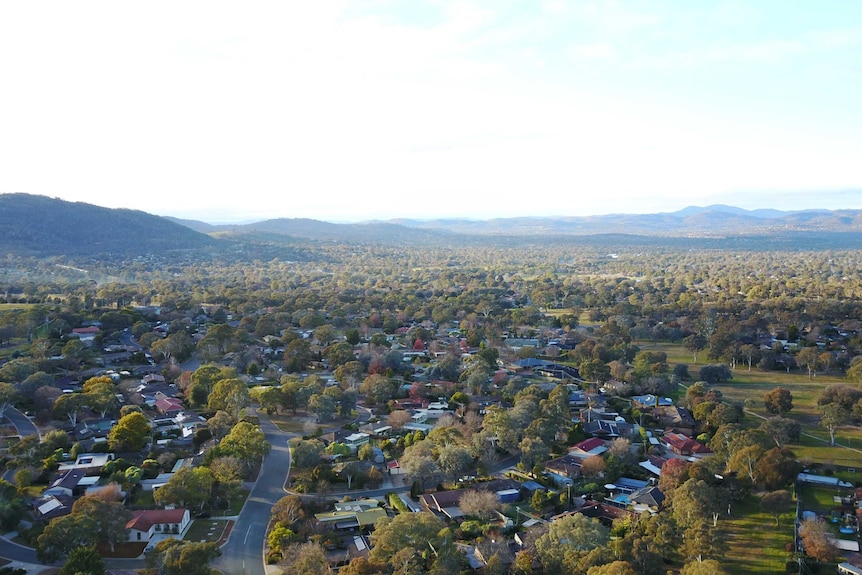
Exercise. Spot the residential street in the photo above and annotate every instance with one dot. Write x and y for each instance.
(243, 553)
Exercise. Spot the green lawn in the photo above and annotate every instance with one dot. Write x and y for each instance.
(205, 530)
(754, 384)
(755, 544)
(819, 499)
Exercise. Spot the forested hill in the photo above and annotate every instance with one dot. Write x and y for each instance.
(41, 226)
(716, 221)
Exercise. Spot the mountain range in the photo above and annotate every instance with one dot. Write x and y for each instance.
(43, 226)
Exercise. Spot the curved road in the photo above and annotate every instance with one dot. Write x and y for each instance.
(243, 553)
(10, 550)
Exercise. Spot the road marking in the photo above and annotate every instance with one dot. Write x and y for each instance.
(245, 541)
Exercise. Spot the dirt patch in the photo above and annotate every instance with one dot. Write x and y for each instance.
(126, 550)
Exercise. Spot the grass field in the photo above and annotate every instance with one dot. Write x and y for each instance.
(289, 423)
(754, 384)
(755, 544)
(206, 530)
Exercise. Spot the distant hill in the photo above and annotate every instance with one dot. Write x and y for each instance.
(304, 228)
(39, 225)
(716, 221)
(42, 226)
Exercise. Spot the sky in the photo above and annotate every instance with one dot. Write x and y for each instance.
(377, 109)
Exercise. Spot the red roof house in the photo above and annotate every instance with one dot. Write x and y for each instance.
(147, 523)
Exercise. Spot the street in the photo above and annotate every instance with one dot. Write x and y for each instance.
(243, 553)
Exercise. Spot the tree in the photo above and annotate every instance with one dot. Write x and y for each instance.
(833, 416)
(297, 355)
(64, 534)
(377, 388)
(533, 452)
(338, 354)
(74, 352)
(247, 442)
(479, 503)
(306, 558)
(323, 405)
(220, 424)
(674, 473)
(454, 461)
(704, 567)
(288, 510)
(189, 487)
(70, 405)
(227, 468)
(744, 461)
(305, 454)
(83, 561)
(420, 532)
(775, 503)
(777, 468)
(695, 343)
(810, 358)
(269, 397)
(593, 466)
(420, 467)
(696, 500)
(702, 542)
(130, 433)
(615, 568)
(778, 401)
(8, 397)
(110, 518)
(844, 395)
(781, 430)
(815, 540)
(229, 395)
(178, 346)
(571, 533)
(174, 557)
(498, 422)
(715, 373)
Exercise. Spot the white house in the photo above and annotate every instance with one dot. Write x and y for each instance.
(356, 440)
(148, 523)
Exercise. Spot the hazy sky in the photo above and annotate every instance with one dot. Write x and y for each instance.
(227, 111)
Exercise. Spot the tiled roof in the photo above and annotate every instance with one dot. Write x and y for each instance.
(142, 520)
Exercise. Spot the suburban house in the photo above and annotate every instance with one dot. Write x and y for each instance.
(147, 523)
(86, 334)
(608, 429)
(679, 419)
(650, 400)
(355, 440)
(67, 484)
(363, 513)
(48, 507)
(684, 445)
(89, 463)
(169, 406)
(563, 470)
(588, 448)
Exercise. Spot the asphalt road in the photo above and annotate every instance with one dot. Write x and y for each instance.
(9, 550)
(21, 422)
(243, 553)
(25, 427)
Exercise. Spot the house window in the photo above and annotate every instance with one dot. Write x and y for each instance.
(139, 535)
